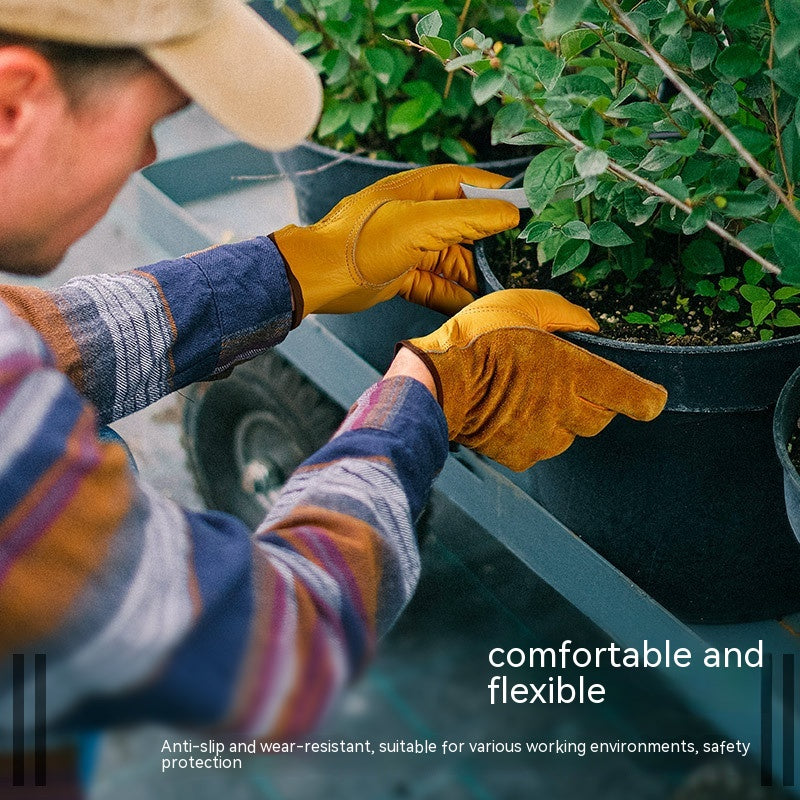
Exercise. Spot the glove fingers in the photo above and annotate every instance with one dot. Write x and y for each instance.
(414, 228)
(520, 458)
(587, 419)
(608, 385)
(454, 263)
(535, 307)
(434, 291)
(439, 182)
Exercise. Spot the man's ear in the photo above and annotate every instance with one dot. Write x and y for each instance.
(28, 87)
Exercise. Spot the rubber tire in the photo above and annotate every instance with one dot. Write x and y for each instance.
(264, 412)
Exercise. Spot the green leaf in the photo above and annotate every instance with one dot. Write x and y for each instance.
(532, 64)
(576, 41)
(636, 112)
(724, 99)
(786, 241)
(455, 64)
(332, 119)
(455, 150)
(753, 139)
(787, 36)
(727, 302)
(676, 50)
(696, 221)
(429, 25)
(753, 273)
(486, 85)
(756, 235)
(742, 14)
(673, 327)
(625, 53)
(786, 318)
(563, 15)
(765, 334)
(441, 47)
(760, 310)
(786, 292)
(658, 159)
(743, 204)
(545, 174)
(739, 61)
(705, 289)
(508, 121)
(728, 284)
(536, 231)
(361, 116)
(412, 114)
(704, 51)
(724, 175)
(672, 22)
(571, 254)
(590, 162)
(591, 127)
(754, 294)
(683, 147)
(388, 66)
(638, 318)
(605, 233)
(674, 187)
(702, 257)
(307, 40)
(576, 229)
(336, 65)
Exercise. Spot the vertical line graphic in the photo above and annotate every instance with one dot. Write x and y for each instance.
(766, 721)
(18, 681)
(788, 718)
(40, 720)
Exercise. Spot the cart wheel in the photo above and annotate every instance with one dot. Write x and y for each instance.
(246, 434)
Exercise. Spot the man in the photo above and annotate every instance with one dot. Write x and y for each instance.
(146, 611)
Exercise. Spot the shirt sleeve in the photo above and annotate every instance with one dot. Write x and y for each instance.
(127, 340)
(148, 612)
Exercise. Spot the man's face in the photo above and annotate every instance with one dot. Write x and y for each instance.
(65, 172)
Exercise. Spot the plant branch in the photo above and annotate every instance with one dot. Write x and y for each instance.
(774, 93)
(652, 189)
(313, 171)
(624, 20)
(445, 61)
(462, 19)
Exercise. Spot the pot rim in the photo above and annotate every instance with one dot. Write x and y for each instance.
(491, 285)
(329, 152)
(787, 405)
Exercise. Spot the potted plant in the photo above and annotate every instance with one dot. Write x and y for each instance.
(663, 199)
(383, 110)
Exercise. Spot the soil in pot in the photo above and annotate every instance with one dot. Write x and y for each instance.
(611, 298)
(689, 506)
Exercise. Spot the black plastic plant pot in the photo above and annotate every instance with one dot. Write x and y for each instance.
(688, 506)
(322, 176)
(784, 426)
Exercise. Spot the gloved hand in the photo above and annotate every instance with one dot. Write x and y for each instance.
(401, 236)
(516, 393)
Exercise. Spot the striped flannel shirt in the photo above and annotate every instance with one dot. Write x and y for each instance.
(147, 611)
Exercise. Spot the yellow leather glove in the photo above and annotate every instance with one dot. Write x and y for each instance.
(513, 391)
(401, 236)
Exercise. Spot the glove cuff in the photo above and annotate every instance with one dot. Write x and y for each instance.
(298, 305)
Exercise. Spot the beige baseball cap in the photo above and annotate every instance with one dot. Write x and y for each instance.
(220, 52)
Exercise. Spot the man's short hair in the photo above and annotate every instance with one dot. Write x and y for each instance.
(80, 67)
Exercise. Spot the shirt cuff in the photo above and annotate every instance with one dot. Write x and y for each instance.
(398, 419)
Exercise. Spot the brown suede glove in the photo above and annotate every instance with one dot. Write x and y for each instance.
(516, 393)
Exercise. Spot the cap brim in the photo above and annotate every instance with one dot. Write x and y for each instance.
(247, 76)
